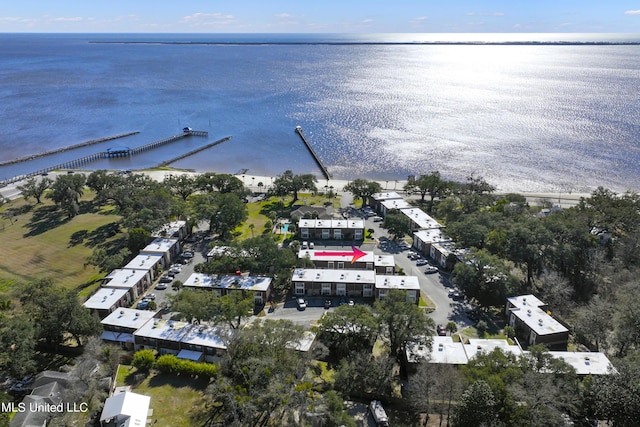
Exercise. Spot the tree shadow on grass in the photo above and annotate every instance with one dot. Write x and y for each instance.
(178, 381)
(278, 207)
(96, 237)
(44, 219)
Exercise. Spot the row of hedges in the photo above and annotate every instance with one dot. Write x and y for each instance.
(170, 364)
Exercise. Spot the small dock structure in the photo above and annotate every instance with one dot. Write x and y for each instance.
(315, 156)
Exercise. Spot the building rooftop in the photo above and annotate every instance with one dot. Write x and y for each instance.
(397, 282)
(334, 276)
(128, 318)
(586, 363)
(144, 262)
(379, 197)
(334, 255)
(525, 301)
(168, 330)
(214, 281)
(432, 235)
(539, 321)
(421, 218)
(207, 336)
(443, 350)
(384, 261)
(396, 204)
(124, 278)
(477, 346)
(159, 245)
(171, 229)
(331, 223)
(126, 409)
(105, 298)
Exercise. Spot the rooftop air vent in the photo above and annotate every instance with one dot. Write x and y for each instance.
(137, 314)
(121, 311)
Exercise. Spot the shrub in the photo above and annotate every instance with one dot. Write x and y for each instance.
(482, 328)
(143, 360)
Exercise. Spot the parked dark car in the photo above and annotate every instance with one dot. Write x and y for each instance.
(327, 303)
(441, 330)
(166, 279)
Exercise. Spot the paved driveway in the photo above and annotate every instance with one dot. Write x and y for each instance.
(435, 286)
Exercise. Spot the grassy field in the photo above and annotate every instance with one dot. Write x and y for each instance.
(41, 242)
(176, 401)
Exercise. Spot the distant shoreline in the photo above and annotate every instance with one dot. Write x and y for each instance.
(376, 43)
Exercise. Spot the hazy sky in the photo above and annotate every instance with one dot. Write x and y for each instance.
(322, 16)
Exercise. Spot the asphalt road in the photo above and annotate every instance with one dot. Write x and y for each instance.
(435, 286)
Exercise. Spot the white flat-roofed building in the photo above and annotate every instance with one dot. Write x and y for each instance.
(423, 239)
(223, 284)
(442, 350)
(331, 229)
(168, 248)
(410, 284)
(161, 335)
(485, 346)
(198, 342)
(523, 301)
(338, 259)
(203, 342)
(315, 281)
(125, 409)
(120, 325)
(393, 204)
(534, 325)
(586, 363)
(384, 264)
(136, 281)
(106, 300)
(376, 199)
(443, 254)
(419, 219)
(153, 263)
(173, 229)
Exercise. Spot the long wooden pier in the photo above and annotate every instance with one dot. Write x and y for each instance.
(323, 168)
(67, 148)
(164, 141)
(192, 152)
(125, 152)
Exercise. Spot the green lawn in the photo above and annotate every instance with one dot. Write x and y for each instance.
(176, 401)
(41, 242)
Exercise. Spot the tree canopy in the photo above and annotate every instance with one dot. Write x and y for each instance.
(288, 183)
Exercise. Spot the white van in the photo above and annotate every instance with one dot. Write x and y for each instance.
(378, 413)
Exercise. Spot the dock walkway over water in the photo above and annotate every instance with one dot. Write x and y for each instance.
(197, 150)
(111, 153)
(70, 147)
(323, 168)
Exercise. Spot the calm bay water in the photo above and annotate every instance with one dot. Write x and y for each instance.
(527, 117)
